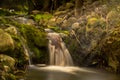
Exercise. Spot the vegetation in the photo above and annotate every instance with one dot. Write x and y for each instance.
(90, 29)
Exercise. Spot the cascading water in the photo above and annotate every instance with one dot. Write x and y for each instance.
(59, 54)
(61, 62)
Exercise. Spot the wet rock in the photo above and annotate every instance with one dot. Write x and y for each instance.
(6, 42)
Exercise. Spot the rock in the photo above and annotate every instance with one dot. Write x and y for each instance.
(12, 30)
(60, 13)
(7, 61)
(6, 42)
(59, 20)
(48, 30)
(24, 20)
(72, 20)
(113, 19)
(30, 22)
(35, 12)
(75, 25)
(102, 10)
(69, 5)
(52, 22)
(65, 24)
(63, 35)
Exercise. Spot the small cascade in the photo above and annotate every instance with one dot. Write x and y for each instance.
(26, 50)
(59, 54)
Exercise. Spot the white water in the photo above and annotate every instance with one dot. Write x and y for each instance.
(67, 73)
(59, 54)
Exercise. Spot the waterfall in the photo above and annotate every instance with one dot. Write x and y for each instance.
(59, 54)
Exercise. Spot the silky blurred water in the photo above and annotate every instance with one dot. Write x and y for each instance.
(67, 73)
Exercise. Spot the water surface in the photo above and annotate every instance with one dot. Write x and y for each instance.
(67, 73)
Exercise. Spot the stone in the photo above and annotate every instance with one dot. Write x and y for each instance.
(113, 19)
(59, 20)
(52, 22)
(75, 25)
(65, 24)
(72, 20)
(8, 62)
(6, 41)
(69, 5)
(60, 13)
(11, 30)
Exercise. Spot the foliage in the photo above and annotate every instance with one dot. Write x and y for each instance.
(110, 49)
(5, 12)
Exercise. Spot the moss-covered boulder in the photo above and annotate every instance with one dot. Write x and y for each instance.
(6, 42)
(7, 61)
(113, 19)
(12, 30)
(36, 41)
(7, 66)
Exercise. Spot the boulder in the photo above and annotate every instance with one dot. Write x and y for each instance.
(113, 19)
(7, 61)
(6, 41)
(75, 25)
(12, 30)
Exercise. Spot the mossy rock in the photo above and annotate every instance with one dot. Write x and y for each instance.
(33, 35)
(45, 16)
(113, 19)
(12, 30)
(6, 41)
(96, 22)
(36, 41)
(7, 61)
(92, 21)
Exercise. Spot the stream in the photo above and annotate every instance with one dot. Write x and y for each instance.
(67, 73)
(61, 65)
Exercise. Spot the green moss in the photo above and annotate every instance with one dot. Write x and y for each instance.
(36, 40)
(37, 17)
(6, 42)
(33, 35)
